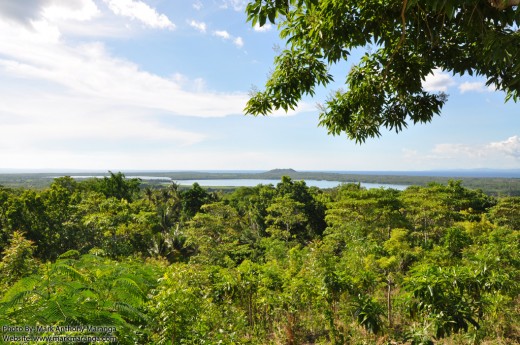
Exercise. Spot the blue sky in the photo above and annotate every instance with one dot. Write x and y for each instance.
(161, 85)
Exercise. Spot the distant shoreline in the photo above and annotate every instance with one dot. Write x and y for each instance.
(491, 185)
(451, 173)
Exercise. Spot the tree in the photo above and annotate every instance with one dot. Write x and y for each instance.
(193, 199)
(507, 212)
(313, 209)
(169, 240)
(285, 217)
(117, 186)
(218, 235)
(17, 260)
(404, 42)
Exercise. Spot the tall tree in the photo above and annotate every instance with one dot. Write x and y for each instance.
(404, 42)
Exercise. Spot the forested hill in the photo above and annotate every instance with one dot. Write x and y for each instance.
(490, 185)
(271, 264)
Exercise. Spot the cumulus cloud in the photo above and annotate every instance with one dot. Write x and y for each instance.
(509, 147)
(140, 11)
(222, 34)
(461, 155)
(264, 28)
(237, 5)
(200, 26)
(455, 150)
(88, 69)
(84, 10)
(474, 87)
(63, 96)
(82, 95)
(239, 42)
(438, 81)
(22, 11)
(197, 5)
(33, 10)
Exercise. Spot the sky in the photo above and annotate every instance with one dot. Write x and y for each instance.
(162, 84)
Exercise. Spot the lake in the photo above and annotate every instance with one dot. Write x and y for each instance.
(250, 182)
(255, 182)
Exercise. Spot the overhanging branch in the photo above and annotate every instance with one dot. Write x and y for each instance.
(503, 4)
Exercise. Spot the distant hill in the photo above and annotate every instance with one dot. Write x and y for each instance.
(281, 171)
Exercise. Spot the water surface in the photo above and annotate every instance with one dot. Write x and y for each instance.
(255, 182)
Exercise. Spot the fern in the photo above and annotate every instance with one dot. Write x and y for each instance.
(69, 272)
(71, 254)
(89, 290)
(24, 284)
(129, 286)
(129, 311)
(15, 300)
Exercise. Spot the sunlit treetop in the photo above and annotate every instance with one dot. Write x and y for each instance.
(405, 40)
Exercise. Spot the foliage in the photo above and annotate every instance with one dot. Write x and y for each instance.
(404, 41)
(507, 212)
(116, 186)
(218, 236)
(284, 264)
(84, 290)
(17, 259)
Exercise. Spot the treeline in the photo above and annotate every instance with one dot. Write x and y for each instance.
(496, 186)
(284, 264)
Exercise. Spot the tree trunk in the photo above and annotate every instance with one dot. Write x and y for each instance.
(389, 283)
(289, 329)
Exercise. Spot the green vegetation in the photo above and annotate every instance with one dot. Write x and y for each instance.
(403, 42)
(284, 264)
(489, 185)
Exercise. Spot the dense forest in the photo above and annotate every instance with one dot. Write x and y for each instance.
(284, 264)
(492, 185)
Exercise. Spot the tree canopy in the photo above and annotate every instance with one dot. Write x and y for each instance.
(285, 264)
(404, 40)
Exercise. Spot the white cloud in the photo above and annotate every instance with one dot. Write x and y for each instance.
(237, 5)
(302, 107)
(438, 81)
(197, 5)
(58, 97)
(45, 31)
(222, 34)
(84, 10)
(509, 147)
(65, 97)
(504, 153)
(23, 11)
(139, 10)
(90, 71)
(455, 150)
(200, 26)
(197, 84)
(264, 28)
(239, 42)
(474, 87)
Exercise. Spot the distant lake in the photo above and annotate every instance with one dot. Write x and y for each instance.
(250, 182)
(255, 182)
